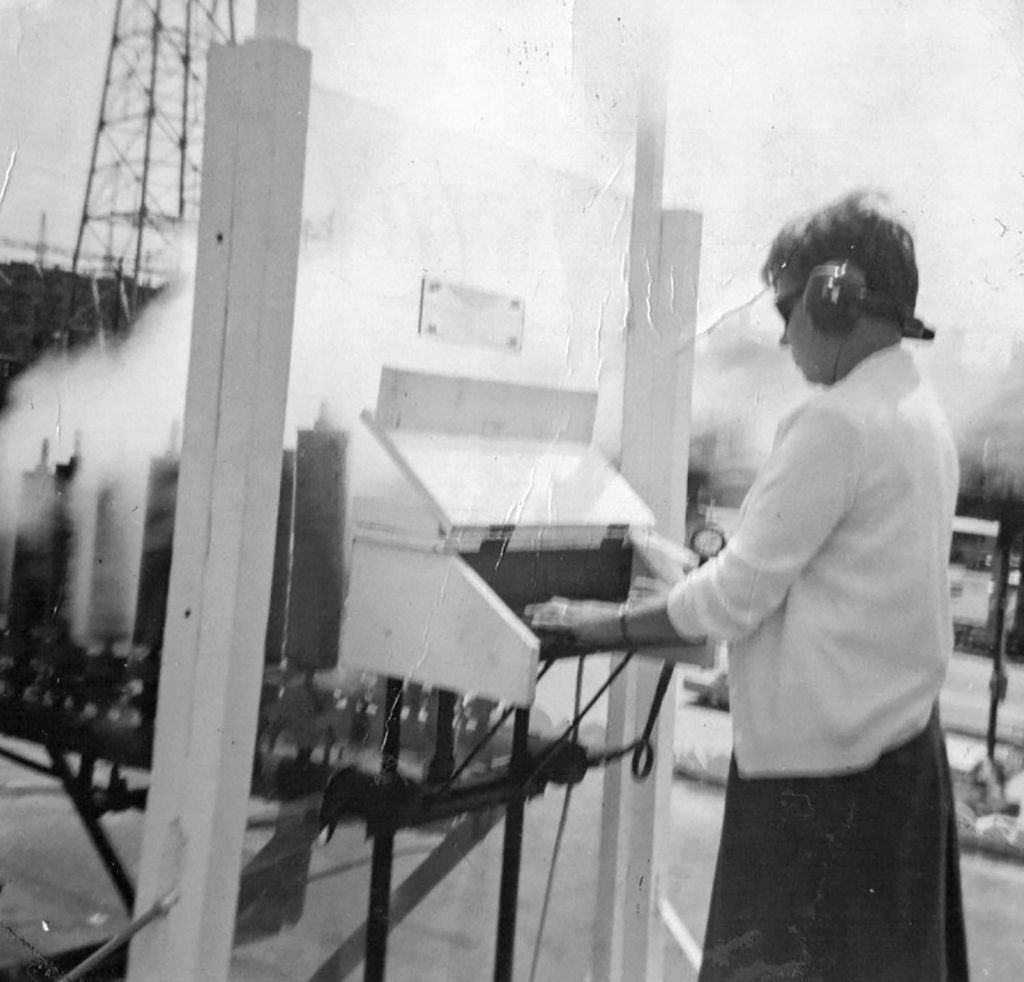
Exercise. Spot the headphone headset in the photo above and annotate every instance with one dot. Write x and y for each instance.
(836, 294)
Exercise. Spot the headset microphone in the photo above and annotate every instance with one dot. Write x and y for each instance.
(917, 330)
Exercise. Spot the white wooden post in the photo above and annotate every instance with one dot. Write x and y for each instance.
(629, 938)
(250, 217)
(277, 19)
(629, 934)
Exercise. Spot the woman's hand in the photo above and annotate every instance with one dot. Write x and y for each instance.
(605, 625)
(588, 621)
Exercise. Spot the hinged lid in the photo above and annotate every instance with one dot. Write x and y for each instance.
(541, 489)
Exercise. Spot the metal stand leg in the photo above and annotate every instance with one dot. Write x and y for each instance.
(378, 919)
(379, 915)
(80, 796)
(508, 897)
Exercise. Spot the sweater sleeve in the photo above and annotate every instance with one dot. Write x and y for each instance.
(797, 500)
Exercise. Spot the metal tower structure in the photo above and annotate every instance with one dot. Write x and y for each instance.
(144, 172)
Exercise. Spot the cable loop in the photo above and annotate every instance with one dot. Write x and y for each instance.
(643, 760)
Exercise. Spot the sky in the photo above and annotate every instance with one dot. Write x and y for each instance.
(774, 107)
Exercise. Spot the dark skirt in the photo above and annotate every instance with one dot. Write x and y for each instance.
(841, 879)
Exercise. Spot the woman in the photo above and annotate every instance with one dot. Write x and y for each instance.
(838, 858)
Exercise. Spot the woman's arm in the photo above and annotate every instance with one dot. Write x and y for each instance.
(637, 623)
(800, 496)
(798, 499)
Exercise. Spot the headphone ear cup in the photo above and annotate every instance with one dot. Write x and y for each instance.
(830, 303)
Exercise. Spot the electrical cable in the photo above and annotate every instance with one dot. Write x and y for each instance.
(643, 760)
(642, 763)
(643, 754)
(556, 849)
(485, 739)
(570, 731)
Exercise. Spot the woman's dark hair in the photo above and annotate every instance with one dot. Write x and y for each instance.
(857, 228)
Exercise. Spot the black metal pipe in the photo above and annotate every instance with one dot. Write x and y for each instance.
(442, 764)
(378, 917)
(485, 739)
(512, 849)
(463, 837)
(27, 762)
(82, 800)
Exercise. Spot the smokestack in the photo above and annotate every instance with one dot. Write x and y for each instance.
(111, 603)
(318, 578)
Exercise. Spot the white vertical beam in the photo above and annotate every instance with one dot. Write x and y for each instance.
(659, 377)
(627, 939)
(629, 936)
(664, 254)
(278, 19)
(250, 216)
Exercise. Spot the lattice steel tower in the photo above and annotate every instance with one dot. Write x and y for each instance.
(144, 174)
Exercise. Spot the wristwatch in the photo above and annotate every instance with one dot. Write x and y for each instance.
(707, 541)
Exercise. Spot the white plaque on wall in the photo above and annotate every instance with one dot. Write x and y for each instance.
(466, 315)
